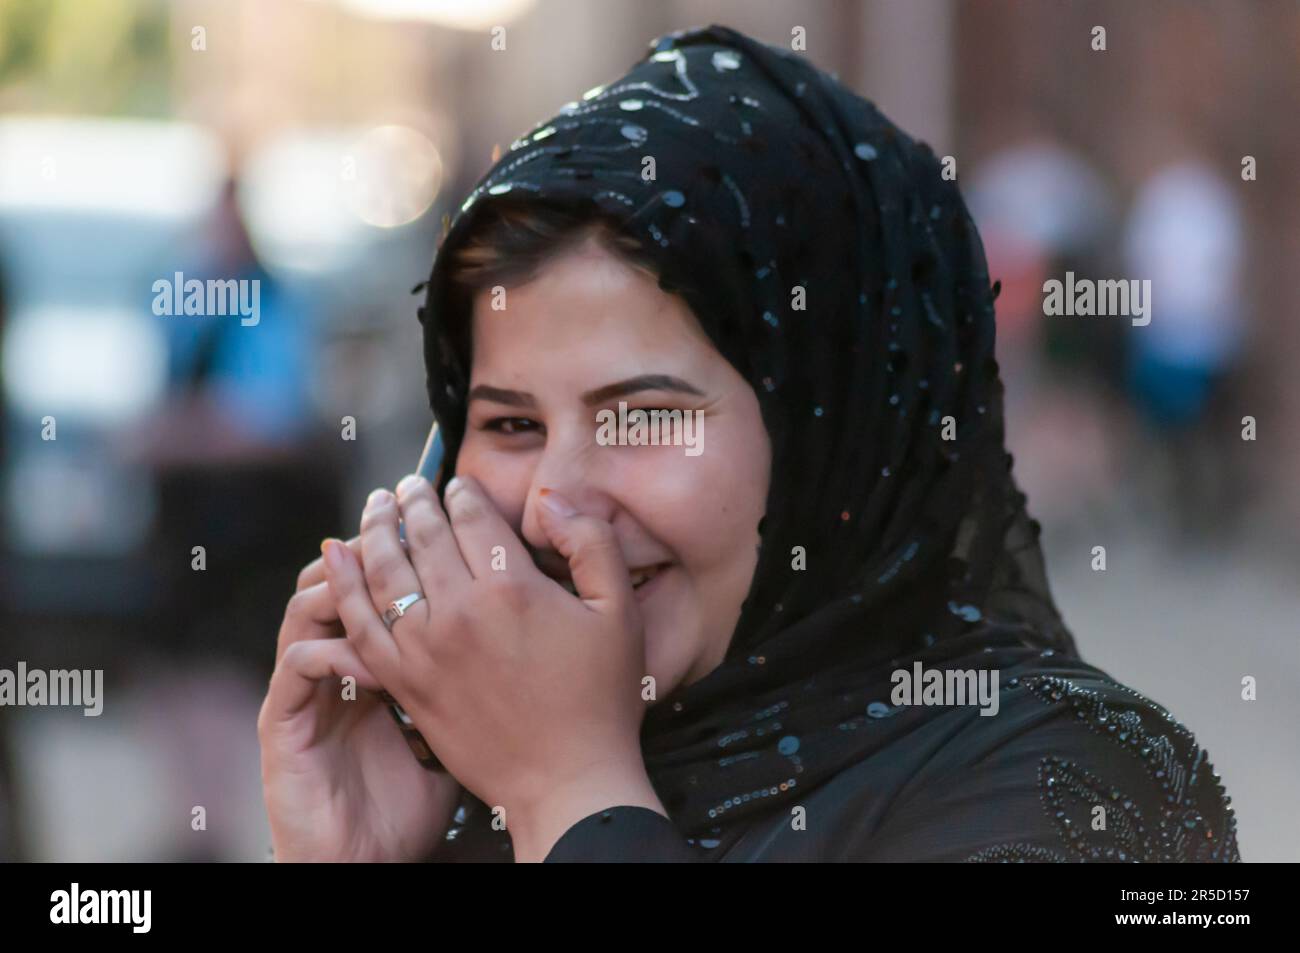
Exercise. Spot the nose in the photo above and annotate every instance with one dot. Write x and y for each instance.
(576, 469)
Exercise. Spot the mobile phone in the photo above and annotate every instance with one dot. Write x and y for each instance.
(430, 467)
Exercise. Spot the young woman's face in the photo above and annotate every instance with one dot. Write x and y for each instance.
(587, 332)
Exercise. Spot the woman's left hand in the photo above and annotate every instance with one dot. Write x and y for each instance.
(531, 697)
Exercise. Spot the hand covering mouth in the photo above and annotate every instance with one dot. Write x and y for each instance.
(638, 576)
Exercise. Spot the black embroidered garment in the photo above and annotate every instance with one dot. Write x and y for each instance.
(833, 264)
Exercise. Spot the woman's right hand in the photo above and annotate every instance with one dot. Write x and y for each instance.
(339, 781)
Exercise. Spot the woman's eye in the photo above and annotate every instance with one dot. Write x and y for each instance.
(511, 425)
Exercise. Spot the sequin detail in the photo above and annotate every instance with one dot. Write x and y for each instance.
(1177, 831)
(1017, 854)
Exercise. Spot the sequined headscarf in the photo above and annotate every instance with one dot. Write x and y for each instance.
(830, 258)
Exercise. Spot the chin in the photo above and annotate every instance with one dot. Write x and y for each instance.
(669, 651)
(674, 642)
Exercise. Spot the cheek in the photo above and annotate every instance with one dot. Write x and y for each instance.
(729, 480)
(705, 508)
(504, 476)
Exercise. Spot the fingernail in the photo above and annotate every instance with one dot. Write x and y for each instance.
(378, 497)
(332, 556)
(555, 503)
(407, 483)
(453, 485)
(323, 543)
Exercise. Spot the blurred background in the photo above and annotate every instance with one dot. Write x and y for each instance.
(316, 145)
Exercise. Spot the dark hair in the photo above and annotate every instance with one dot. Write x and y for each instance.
(511, 241)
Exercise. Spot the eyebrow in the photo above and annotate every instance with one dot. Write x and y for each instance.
(623, 388)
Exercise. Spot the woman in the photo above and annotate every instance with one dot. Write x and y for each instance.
(826, 635)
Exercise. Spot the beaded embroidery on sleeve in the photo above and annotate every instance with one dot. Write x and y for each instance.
(1176, 831)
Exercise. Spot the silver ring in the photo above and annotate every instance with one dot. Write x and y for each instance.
(397, 608)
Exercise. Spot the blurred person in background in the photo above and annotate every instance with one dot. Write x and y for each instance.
(1044, 211)
(235, 447)
(1185, 233)
(244, 472)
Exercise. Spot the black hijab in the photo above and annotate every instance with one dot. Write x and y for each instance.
(771, 177)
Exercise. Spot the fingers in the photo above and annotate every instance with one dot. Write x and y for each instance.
(430, 543)
(314, 572)
(304, 665)
(388, 572)
(365, 629)
(595, 558)
(310, 614)
(486, 541)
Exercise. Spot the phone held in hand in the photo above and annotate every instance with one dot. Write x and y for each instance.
(430, 468)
